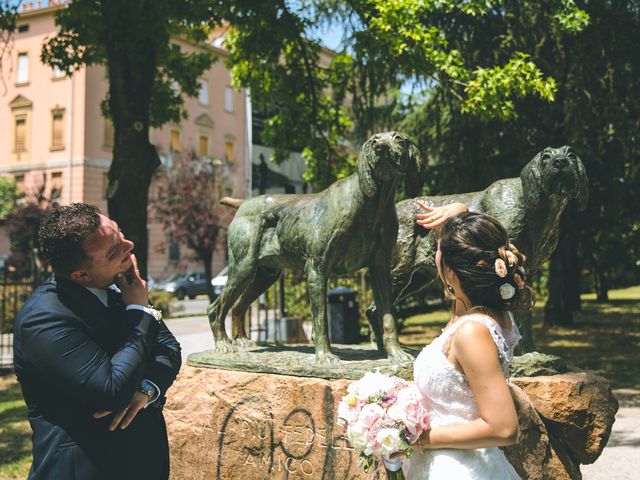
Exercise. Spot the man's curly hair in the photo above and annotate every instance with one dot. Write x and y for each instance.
(62, 233)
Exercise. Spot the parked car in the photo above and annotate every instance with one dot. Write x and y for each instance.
(159, 285)
(218, 282)
(189, 285)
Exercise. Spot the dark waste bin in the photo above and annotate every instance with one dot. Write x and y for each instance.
(343, 316)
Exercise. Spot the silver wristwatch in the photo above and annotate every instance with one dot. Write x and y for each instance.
(147, 388)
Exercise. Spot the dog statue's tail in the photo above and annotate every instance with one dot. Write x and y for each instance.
(231, 202)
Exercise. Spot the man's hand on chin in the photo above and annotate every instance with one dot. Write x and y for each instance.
(133, 290)
(125, 416)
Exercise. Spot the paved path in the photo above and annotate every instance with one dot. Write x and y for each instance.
(193, 333)
(196, 307)
(620, 460)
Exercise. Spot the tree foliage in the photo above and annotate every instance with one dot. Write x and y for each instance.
(387, 44)
(8, 196)
(89, 34)
(8, 15)
(187, 205)
(596, 111)
(23, 223)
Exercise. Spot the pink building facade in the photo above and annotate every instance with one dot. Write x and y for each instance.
(52, 132)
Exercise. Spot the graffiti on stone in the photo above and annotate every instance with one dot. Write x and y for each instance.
(253, 443)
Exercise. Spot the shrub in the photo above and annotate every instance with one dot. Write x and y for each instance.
(162, 301)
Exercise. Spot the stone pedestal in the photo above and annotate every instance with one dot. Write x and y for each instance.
(236, 425)
(227, 425)
(565, 421)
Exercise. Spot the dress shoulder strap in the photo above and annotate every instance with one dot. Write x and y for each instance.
(504, 346)
(513, 337)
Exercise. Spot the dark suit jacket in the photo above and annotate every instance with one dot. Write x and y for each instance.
(73, 357)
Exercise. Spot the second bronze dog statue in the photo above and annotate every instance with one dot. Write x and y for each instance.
(528, 206)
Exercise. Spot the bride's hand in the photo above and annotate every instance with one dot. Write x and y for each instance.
(436, 216)
(397, 455)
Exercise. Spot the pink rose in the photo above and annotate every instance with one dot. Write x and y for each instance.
(424, 420)
(511, 258)
(500, 268)
(370, 413)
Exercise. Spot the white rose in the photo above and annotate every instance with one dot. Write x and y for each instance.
(373, 383)
(357, 435)
(507, 291)
(345, 412)
(397, 413)
(390, 441)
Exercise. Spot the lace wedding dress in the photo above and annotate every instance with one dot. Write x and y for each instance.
(449, 400)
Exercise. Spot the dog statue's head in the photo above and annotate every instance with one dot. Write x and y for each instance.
(384, 158)
(556, 172)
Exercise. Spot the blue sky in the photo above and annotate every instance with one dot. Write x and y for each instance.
(330, 37)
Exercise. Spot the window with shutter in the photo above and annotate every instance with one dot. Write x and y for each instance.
(20, 141)
(57, 129)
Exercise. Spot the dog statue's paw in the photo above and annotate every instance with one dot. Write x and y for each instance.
(244, 342)
(326, 358)
(224, 346)
(400, 355)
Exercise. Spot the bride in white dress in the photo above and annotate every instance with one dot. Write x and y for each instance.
(462, 374)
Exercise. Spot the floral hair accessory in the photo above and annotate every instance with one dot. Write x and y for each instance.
(519, 281)
(500, 267)
(507, 291)
(511, 258)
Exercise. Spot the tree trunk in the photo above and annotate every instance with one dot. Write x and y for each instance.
(602, 286)
(128, 194)
(554, 309)
(131, 64)
(563, 287)
(523, 320)
(570, 262)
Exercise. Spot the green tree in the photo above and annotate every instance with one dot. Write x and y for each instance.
(275, 52)
(8, 15)
(7, 196)
(596, 111)
(147, 80)
(23, 223)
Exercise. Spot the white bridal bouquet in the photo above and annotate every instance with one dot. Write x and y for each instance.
(383, 416)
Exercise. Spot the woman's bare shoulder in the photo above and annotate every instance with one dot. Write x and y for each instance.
(474, 336)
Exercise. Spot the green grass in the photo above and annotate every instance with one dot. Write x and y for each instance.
(15, 432)
(604, 337)
(631, 293)
(422, 329)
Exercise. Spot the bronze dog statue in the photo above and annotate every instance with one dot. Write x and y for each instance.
(350, 225)
(529, 207)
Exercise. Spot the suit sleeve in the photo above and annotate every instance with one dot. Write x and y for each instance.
(56, 345)
(165, 360)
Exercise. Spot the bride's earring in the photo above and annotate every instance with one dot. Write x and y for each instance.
(450, 289)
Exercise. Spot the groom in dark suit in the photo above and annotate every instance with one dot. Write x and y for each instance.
(94, 361)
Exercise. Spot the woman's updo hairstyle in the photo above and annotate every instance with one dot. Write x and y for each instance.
(490, 269)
